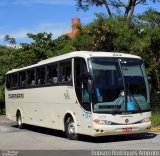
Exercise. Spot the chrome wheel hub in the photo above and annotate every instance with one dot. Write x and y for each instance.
(71, 128)
(19, 121)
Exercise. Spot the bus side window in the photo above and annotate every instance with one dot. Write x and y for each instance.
(28, 78)
(49, 74)
(55, 73)
(8, 81)
(52, 74)
(40, 76)
(14, 81)
(65, 72)
(31, 77)
(22, 79)
(37, 76)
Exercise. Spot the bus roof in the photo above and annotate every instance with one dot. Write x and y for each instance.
(84, 54)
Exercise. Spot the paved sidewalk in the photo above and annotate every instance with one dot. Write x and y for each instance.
(4, 120)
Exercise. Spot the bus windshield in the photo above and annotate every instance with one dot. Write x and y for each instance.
(119, 85)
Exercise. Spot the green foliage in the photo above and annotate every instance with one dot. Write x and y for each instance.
(63, 44)
(2, 111)
(10, 40)
(82, 42)
(41, 48)
(127, 6)
(2, 95)
(151, 36)
(5, 64)
(155, 119)
(94, 37)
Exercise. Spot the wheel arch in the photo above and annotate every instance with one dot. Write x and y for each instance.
(19, 111)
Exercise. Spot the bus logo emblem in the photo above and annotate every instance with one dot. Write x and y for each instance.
(126, 121)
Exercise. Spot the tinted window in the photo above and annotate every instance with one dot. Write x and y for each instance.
(40, 76)
(22, 79)
(52, 74)
(65, 72)
(14, 81)
(8, 81)
(31, 77)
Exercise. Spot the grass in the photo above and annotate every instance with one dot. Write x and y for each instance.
(155, 118)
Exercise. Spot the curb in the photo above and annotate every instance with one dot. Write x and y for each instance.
(155, 129)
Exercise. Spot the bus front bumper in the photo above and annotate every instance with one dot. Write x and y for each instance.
(105, 130)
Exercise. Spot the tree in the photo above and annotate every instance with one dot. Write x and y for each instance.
(10, 40)
(96, 36)
(152, 33)
(129, 6)
(41, 48)
(5, 64)
(62, 45)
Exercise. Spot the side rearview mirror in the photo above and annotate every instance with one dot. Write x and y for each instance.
(84, 76)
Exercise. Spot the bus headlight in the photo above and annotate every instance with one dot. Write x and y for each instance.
(146, 120)
(102, 122)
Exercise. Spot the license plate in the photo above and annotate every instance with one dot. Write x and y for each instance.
(127, 129)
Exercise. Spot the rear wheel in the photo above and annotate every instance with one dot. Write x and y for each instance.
(19, 121)
(70, 128)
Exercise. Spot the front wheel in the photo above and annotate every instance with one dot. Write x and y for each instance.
(19, 121)
(70, 128)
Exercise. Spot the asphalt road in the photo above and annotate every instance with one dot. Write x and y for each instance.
(36, 138)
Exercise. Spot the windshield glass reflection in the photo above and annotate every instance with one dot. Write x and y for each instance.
(119, 85)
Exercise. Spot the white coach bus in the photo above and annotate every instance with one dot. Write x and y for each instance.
(90, 93)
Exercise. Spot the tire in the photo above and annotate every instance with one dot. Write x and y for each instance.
(70, 129)
(19, 121)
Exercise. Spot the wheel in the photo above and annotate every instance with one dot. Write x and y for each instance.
(70, 128)
(19, 121)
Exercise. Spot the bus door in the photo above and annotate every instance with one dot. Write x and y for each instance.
(84, 117)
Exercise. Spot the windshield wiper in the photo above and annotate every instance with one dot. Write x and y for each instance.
(118, 104)
(136, 102)
(131, 95)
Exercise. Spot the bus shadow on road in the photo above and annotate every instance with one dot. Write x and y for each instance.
(46, 131)
(118, 138)
(103, 139)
